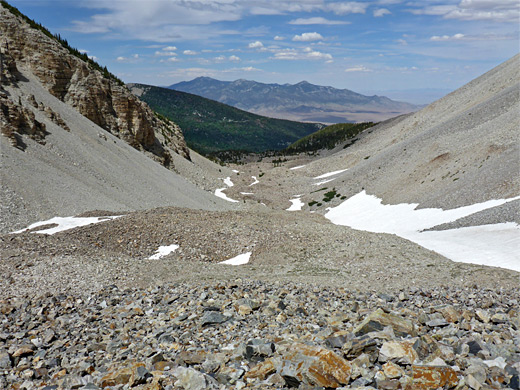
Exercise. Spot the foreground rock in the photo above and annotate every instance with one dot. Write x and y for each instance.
(199, 336)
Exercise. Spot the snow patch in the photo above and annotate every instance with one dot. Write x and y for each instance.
(329, 174)
(238, 260)
(295, 168)
(235, 170)
(164, 251)
(247, 193)
(219, 192)
(296, 204)
(323, 182)
(255, 181)
(228, 182)
(65, 223)
(496, 245)
(493, 245)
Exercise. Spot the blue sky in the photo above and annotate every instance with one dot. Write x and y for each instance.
(404, 49)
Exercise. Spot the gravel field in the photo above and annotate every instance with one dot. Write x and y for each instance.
(242, 334)
(293, 246)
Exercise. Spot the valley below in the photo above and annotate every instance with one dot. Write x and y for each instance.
(143, 300)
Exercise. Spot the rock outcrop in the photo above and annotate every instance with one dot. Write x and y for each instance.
(103, 100)
(16, 120)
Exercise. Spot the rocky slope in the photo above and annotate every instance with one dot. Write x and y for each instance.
(73, 81)
(300, 102)
(73, 139)
(248, 335)
(67, 172)
(459, 150)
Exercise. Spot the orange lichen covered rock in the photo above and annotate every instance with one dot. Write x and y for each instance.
(315, 366)
(433, 377)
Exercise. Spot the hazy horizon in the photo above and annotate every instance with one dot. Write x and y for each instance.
(399, 49)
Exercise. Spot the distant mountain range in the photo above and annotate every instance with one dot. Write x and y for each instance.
(299, 102)
(209, 126)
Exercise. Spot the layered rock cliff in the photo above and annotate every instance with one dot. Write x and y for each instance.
(74, 81)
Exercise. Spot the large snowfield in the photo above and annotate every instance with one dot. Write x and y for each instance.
(496, 245)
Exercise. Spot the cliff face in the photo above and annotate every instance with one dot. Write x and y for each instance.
(75, 82)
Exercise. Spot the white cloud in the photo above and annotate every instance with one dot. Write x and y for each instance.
(437, 38)
(93, 58)
(286, 54)
(350, 7)
(189, 52)
(402, 42)
(83, 51)
(222, 58)
(319, 55)
(381, 12)
(305, 54)
(165, 53)
(89, 28)
(169, 48)
(171, 59)
(317, 20)
(256, 45)
(490, 10)
(132, 58)
(159, 21)
(278, 38)
(307, 37)
(360, 68)
(265, 11)
(244, 69)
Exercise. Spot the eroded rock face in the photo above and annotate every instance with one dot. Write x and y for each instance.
(16, 120)
(102, 100)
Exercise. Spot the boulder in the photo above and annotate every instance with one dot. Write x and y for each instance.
(378, 320)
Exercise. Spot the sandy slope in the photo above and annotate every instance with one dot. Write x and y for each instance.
(86, 169)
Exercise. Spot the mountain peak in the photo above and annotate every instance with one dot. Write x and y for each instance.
(302, 101)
